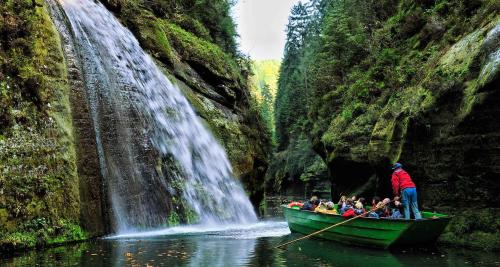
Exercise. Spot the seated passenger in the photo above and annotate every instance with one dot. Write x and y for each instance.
(321, 206)
(358, 208)
(375, 201)
(375, 212)
(385, 206)
(327, 208)
(353, 209)
(396, 210)
(311, 204)
(342, 202)
(348, 206)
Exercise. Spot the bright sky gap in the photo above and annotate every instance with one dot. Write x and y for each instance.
(261, 26)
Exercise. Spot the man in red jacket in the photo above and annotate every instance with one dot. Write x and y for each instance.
(404, 186)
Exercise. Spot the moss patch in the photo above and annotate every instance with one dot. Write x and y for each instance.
(474, 228)
(201, 52)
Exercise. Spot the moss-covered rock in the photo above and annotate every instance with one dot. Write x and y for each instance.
(415, 82)
(39, 192)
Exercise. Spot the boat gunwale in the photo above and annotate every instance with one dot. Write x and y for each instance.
(445, 217)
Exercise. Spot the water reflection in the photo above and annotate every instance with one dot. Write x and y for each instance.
(228, 253)
(325, 253)
(251, 246)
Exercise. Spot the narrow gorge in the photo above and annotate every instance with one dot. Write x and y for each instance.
(125, 117)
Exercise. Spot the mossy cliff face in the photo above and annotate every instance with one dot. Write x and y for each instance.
(429, 100)
(50, 183)
(212, 77)
(39, 185)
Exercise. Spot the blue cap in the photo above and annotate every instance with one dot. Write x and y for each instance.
(397, 166)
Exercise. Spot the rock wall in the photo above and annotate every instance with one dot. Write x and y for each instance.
(93, 204)
(39, 179)
(441, 125)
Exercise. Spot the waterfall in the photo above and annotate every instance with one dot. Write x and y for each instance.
(153, 148)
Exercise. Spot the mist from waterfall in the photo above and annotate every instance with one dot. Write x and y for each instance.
(143, 123)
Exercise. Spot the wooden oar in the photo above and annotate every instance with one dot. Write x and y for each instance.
(324, 229)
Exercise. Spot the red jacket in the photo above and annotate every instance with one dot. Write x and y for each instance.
(401, 180)
(349, 213)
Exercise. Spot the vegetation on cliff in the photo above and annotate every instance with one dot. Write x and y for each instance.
(295, 164)
(362, 84)
(367, 83)
(39, 198)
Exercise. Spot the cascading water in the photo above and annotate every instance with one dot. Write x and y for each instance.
(142, 122)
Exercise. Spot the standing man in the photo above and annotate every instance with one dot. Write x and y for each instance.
(402, 184)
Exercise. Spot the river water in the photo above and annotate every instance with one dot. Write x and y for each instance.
(248, 245)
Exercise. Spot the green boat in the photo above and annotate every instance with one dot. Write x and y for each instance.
(370, 232)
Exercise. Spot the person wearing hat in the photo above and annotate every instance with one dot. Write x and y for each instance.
(404, 186)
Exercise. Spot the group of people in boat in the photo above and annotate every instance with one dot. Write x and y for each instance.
(405, 199)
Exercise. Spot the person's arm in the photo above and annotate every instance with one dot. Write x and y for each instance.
(395, 184)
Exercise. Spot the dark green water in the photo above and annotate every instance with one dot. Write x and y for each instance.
(240, 246)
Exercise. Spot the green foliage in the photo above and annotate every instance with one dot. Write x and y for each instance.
(18, 240)
(153, 37)
(344, 59)
(216, 15)
(41, 231)
(173, 219)
(313, 171)
(266, 72)
(294, 159)
(208, 19)
(297, 164)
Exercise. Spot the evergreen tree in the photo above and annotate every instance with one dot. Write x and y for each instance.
(294, 153)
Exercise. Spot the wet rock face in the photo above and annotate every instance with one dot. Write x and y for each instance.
(458, 158)
(93, 213)
(443, 129)
(214, 83)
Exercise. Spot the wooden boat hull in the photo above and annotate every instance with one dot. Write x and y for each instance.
(370, 232)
